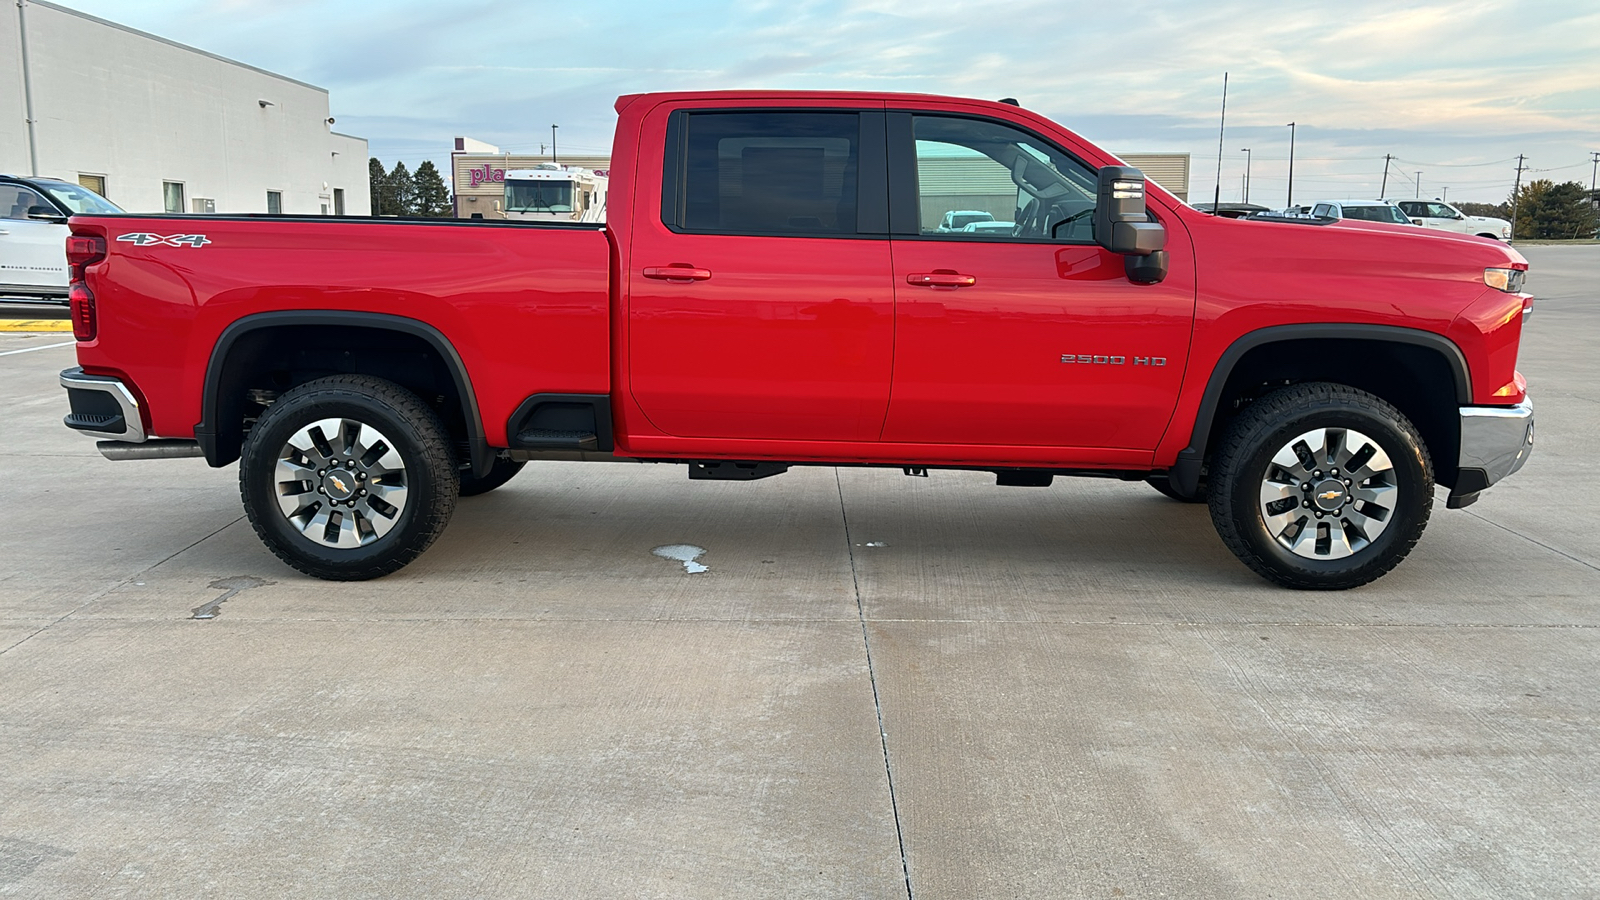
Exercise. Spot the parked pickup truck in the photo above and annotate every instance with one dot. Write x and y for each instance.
(773, 289)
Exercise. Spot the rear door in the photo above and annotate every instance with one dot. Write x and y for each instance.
(33, 254)
(759, 302)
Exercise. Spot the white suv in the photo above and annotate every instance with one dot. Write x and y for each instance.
(33, 235)
(1441, 215)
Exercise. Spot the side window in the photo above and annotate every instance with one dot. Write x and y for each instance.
(983, 179)
(1322, 209)
(1440, 211)
(16, 200)
(771, 173)
(1412, 208)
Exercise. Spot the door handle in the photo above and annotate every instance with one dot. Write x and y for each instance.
(942, 278)
(680, 272)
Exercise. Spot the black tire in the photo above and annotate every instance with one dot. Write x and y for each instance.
(406, 458)
(1163, 484)
(501, 472)
(1243, 475)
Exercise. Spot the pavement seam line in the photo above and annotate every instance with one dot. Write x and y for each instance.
(94, 598)
(872, 678)
(1533, 541)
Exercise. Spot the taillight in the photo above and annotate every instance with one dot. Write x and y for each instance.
(83, 250)
(84, 324)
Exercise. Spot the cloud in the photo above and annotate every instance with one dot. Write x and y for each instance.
(1441, 80)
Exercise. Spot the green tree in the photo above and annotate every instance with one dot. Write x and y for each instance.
(403, 190)
(433, 198)
(378, 183)
(1549, 210)
(1495, 210)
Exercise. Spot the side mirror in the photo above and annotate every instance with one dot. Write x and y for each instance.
(1121, 224)
(46, 214)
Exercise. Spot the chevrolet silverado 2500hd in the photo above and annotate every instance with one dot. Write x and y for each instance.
(772, 288)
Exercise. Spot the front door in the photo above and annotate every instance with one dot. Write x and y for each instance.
(1021, 330)
(757, 307)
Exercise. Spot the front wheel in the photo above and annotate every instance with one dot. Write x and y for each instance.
(348, 478)
(1321, 486)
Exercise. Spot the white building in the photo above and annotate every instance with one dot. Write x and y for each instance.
(156, 126)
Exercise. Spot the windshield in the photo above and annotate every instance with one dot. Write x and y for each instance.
(1376, 214)
(80, 199)
(538, 196)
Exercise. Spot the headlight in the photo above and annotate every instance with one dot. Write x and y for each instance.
(1508, 280)
(1506, 232)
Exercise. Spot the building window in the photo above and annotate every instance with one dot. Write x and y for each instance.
(274, 203)
(172, 192)
(338, 201)
(204, 205)
(96, 183)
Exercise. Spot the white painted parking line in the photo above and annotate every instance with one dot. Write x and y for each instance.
(42, 347)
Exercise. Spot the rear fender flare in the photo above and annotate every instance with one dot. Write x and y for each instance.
(221, 452)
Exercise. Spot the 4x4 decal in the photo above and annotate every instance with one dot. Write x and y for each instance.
(142, 239)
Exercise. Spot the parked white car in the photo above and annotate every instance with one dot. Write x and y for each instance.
(1364, 210)
(957, 219)
(33, 235)
(1441, 215)
(1005, 228)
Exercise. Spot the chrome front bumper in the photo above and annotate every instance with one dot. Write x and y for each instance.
(1495, 442)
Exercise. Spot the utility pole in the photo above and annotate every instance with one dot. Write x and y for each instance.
(552, 144)
(1382, 189)
(1515, 190)
(1595, 159)
(27, 88)
(1247, 173)
(1446, 196)
(1291, 164)
(1419, 185)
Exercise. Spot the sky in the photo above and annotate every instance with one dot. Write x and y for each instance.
(1454, 89)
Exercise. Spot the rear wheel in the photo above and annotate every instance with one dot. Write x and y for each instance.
(1321, 486)
(348, 478)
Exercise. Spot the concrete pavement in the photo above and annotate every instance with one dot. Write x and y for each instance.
(881, 686)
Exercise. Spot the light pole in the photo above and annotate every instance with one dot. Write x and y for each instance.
(553, 144)
(27, 88)
(1247, 174)
(1291, 164)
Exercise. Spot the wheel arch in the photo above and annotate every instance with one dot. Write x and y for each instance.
(239, 351)
(1408, 367)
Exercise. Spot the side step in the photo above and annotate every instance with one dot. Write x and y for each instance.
(543, 439)
(729, 470)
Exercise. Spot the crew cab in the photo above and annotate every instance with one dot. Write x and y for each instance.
(33, 233)
(773, 288)
(1441, 215)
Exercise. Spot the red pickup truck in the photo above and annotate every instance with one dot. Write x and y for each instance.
(772, 289)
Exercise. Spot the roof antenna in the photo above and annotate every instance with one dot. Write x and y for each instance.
(1216, 199)
(1010, 100)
